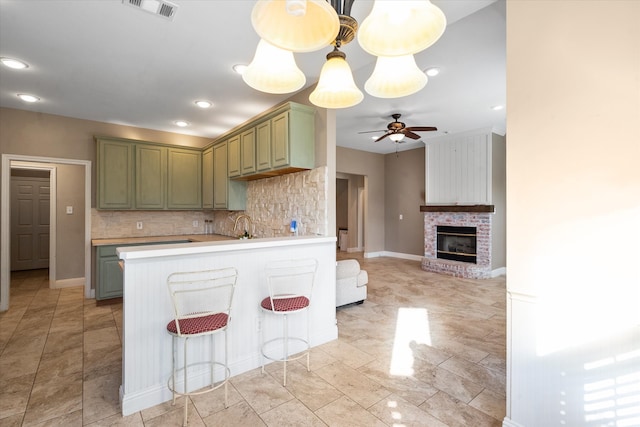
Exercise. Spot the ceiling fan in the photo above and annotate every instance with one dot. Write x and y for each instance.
(396, 131)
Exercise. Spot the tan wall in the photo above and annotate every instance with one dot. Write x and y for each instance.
(370, 165)
(404, 194)
(573, 203)
(70, 228)
(45, 135)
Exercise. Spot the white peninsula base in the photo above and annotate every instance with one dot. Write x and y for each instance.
(146, 357)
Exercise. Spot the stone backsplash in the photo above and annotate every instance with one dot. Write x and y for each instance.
(271, 203)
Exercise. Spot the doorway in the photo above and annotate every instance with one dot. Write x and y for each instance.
(10, 161)
(30, 219)
(351, 210)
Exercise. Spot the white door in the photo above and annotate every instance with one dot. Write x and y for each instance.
(29, 223)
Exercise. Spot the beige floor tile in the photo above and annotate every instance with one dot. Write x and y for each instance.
(134, 420)
(409, 388)
(100, 397)
(53, 398)
(353, 384)
(344, 412)
(490, 403)
(395, 411)
(262, 391)
(73, 419)
(213, 402)
(239, 415)
(309, 388)
(347, 353)
(456, 413)
(175, 418)
(70, 340)
(292, 413)
(14, 395)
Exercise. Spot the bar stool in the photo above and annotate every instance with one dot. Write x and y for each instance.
(202, 307)
(290, 284)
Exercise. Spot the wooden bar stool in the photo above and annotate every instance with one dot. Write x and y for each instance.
(290, 284)
(202, 307)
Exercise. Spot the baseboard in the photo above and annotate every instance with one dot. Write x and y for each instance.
(403, 256)
(373, 254)
(502, 271)
(508, 423)
(67, 283)
(354, 249)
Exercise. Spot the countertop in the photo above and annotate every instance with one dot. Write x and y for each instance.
(152, 239)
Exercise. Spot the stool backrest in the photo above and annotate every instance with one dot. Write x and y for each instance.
(291, 278)
(202, 293)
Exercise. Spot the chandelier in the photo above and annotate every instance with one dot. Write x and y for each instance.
(394, 31)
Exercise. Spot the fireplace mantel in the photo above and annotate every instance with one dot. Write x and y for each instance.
(458, 208)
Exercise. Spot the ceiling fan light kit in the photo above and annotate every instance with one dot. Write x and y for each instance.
(408, 77)
(296, 25)
(336, 88)
(273, 70)
(395, 28)
(401, 27)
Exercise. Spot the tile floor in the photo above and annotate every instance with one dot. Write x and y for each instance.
(424, 349)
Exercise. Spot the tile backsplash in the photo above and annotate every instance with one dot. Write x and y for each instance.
(271, 203)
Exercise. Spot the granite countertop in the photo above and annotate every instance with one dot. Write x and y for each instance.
(152, 239)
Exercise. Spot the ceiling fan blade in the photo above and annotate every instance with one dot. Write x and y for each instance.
(372, 131)
(411, 134)
(421, 128)
(383, 136)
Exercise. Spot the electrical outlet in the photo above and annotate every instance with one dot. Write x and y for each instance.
(400, 218)
(69, 210)
(258, 324)
(139, 225)
(195, 223)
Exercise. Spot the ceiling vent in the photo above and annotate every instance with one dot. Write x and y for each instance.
(161, 8)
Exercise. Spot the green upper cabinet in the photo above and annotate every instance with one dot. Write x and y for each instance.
(146, 176)
(151, 176)
(263, 145)
(227, 194)
(293, 138)
(184, 179)
(248, 151)
(115, 161)
(233, 156)
(207, 178)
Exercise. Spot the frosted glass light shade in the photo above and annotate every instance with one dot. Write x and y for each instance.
(401, 27)
(396, 137)
(336, 88)
(273, 70)
(286, 27)
(395, 76)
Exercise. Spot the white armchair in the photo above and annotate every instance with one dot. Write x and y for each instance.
(351, 282)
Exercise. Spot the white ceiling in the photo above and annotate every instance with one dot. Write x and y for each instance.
(101, 60)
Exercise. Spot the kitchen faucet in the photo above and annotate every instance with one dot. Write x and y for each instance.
(248, 224)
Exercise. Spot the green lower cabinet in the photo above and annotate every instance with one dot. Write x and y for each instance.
(108, 271)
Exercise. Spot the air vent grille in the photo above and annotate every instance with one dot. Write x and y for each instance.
(161, 8)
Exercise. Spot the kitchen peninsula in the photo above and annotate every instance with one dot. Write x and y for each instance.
(147, 308)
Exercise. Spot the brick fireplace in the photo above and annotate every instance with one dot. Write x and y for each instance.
(456, 217)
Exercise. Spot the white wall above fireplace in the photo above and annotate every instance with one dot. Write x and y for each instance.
(459, 168)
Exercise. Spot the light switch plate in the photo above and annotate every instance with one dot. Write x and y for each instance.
(139, 225)
(69, 210)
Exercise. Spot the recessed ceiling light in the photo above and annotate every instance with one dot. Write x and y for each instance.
(204, 104)
(28, 98)
(181, 123)
(240, 68)
(432, 72)
(14, 63)
(497, 107)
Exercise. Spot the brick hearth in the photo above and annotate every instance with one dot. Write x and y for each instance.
(478, 216)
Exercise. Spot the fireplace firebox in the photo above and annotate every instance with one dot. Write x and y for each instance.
(456, 243)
